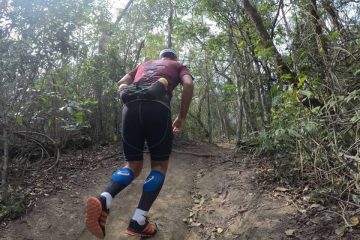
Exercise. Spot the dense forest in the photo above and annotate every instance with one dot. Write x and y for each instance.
(277, 78)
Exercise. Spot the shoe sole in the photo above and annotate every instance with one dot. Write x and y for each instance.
(142, 235)
(93, 211)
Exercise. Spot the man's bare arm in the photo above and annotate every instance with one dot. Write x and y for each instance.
(186, 97)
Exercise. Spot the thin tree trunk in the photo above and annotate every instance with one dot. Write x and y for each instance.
(248, 116)
(331, 10)
(288, 33)
(141, 46)
(262, 96)
(315, 19)
(239, 100)
(221, 117)
(209, 110)
(99, 112)
(263, 102)
(122, 14)
(198, 115)
(323, 47)
(170, 24)
(98, 89)
(227, 124)
(4, 183)
(54, 111)
(250, 105)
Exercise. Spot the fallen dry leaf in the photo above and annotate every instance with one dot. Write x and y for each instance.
(202, 200)
(290, 232)
(340, 231)
(277, 194)
(194, 224)
(302, 210)
(281, 189)
(354, 221)
(306, 198)
(315, 205)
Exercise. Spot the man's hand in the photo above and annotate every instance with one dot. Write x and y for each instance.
(122, 86)
(177, 125)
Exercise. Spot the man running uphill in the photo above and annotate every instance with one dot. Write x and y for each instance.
(146, 92)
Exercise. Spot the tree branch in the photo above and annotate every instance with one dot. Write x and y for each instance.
(122, 14)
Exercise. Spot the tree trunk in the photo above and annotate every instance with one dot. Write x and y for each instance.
(331, 10)
(267, 43)
(315, 19)
(239, 100)
(198, 115)
(221, 113)
(229, 131)
(209, 110)
(289, 45)
(323, 48)
(262, 96)
(99, 133)
(54, 103)
(122, 14)
(4, 183)
(138, 51)
(250, 104)
(250, 121)
(170, 24)
(98, 88)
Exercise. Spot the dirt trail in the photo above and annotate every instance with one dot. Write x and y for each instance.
(202, 198)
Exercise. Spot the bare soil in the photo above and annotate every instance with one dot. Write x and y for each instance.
(209, 193)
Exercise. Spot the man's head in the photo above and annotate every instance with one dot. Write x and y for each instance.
(168, 53)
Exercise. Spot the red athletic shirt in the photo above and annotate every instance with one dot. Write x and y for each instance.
(151, 71)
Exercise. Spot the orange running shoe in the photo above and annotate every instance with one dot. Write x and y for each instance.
(145, 231)
(95, 218)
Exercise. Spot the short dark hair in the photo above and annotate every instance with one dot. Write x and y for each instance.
(168, 53)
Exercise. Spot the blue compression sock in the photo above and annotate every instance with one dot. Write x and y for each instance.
(151, 189)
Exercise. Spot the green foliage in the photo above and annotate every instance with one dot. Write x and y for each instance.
(264, 53)
(77, 112)
(313, 140)
(155, 42)
(287, 123)
(15, 207)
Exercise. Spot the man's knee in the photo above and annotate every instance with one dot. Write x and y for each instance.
(160, 166)
(135, 166)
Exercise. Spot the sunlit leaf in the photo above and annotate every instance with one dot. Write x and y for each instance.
(354, 221)
(290, 232)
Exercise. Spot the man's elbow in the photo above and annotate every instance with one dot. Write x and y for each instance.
(188, 82)
(188, 87)
(127, 79)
